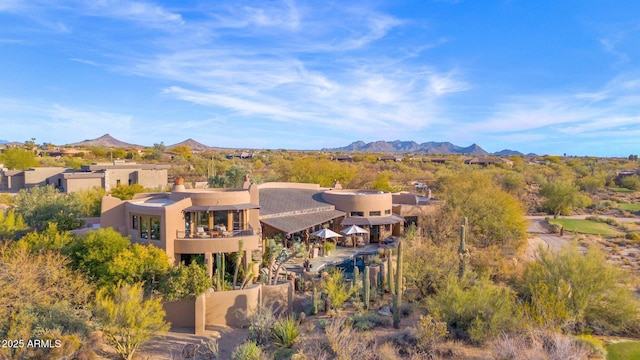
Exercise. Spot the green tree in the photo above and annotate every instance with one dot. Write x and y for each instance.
(382, 182)
(127, 319)
(562, 197)
(50, 239)
(475, 308)
(126, 192)
(43, 204)
(579, 292)
(232, 178)
(183, 281)
(137, 263)
(184, 151)
(11, 224)
(95, 252)
(42, 298)
(19, 159)
(631, 182)
(429, 265)
(495, 216)
(90, 201)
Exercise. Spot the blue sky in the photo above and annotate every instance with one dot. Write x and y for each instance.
(548, 77)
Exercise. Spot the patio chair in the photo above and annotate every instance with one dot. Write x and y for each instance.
(200, 231)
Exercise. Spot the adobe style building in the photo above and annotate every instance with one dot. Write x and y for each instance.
(103, 175)
(189, 222)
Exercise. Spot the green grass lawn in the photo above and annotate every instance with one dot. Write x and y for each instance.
(586, 227)
(629, 207)
(627, 350)
(621, 189)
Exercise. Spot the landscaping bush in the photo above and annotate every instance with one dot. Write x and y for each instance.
(336, 288)
(261, 325)
(579, 293)
(429, 332)
(248, 350)
(370, 320)
(476, 309)
(286, 331)
(595, 347)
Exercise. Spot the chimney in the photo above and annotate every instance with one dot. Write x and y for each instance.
(178, 184)
(247, 182)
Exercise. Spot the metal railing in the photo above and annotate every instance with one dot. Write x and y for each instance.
(215, 234)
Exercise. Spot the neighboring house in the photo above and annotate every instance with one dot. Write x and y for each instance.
(484, 161)
(346, 158)
(189, 222)
(391, 158)
(107, 176)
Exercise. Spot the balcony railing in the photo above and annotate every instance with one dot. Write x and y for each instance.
(186, 234)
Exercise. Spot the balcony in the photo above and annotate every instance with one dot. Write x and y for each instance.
(199, 242)
(213, 234)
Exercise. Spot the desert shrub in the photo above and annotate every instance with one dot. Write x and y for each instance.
(261, 325)
(248, 350)
(631, 182)
(429, 332)
(633, 236)
(537, 345)
(336, 288)
(211, 349)
(595, 347)
(286, 331)
(476, 309)
(370, 320)
(579, 293)
(348, 344)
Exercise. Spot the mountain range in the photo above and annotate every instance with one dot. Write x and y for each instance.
(397, 146)
(431, 148)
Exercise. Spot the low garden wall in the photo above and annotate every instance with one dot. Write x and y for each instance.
(228, 308)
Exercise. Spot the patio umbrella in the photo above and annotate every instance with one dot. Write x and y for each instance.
(326, 234)
(354, 230)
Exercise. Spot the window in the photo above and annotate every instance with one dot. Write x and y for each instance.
(149, 227)
(155, 228)
(357, 213)
(117, 182)
(144, 227)
(374, 213)
(134, 222)
(387, 212)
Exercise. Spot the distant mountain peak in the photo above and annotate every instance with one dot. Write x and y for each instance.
(398, 146)
(105, 140)
(192, 144)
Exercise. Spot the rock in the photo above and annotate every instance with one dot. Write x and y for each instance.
(385, 311)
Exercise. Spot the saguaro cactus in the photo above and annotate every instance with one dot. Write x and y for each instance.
(390, 281)
(356, 280)
(314, 299)
(366, 286)
(462, 249)
(397, 299)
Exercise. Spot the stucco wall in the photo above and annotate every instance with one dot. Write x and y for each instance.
(181, 313)
(76, 184)
(152, 179)
(231, 308)
(363, 201)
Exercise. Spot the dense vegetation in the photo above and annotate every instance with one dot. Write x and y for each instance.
(482, 291)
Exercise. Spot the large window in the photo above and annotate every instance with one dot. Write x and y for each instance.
(374, 213)
(147, 227)
(357, 213)
(221, 219)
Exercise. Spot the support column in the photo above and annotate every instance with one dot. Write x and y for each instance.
(208, 259)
